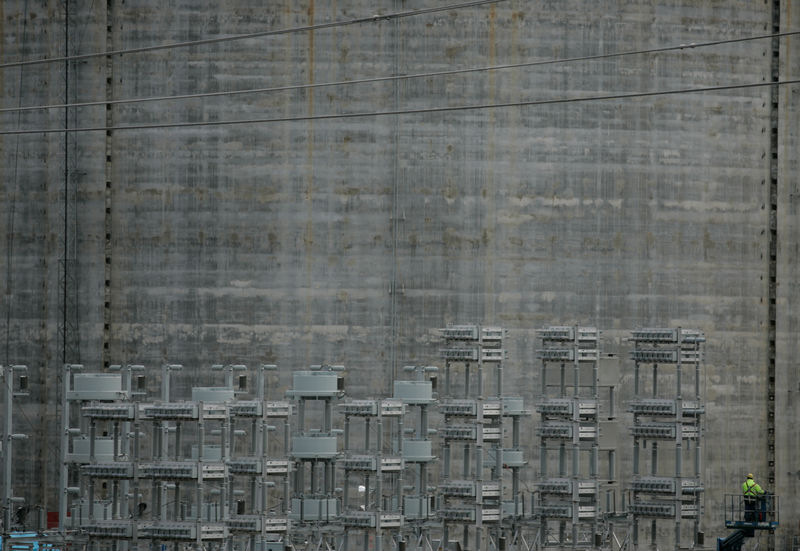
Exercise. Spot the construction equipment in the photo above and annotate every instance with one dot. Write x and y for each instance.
(746, 516)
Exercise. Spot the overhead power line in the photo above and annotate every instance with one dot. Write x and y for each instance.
(389, 78)
(332, 116)
(259, 34)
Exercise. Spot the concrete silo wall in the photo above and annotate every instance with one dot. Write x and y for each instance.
(350, 240)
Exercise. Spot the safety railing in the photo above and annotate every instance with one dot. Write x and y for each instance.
(760, 513)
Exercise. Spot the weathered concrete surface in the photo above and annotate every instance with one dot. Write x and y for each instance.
(787, 437)
(349, 241)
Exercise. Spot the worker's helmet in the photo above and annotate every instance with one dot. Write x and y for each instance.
(749, 475)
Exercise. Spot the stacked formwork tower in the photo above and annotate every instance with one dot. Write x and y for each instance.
(379, 508)
(160, 493)
(512, 459)
(93, 402)
(190, 486)
(314, 451)
(471, 494)
(210, 469)
(569, 430)
(106, 404)
(416, 450)
(672, 425)
(189, 471)
(260, 466)
(11, 503)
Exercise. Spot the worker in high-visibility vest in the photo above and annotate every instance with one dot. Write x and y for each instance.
(752, 495)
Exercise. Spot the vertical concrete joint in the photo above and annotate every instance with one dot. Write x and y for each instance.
(773, 240)
(107, 244)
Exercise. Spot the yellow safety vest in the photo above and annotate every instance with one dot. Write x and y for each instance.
(751, 489)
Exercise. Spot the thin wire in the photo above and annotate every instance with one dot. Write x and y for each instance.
(530, 103)
(304, 28)
(400, 77)
(9, 302)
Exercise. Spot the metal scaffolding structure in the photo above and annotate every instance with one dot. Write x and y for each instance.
(670, 420)
(139, 470)
(167, 472)
(314, 452)
(379, 512)
(418, 499)
(568, 505)
(14, 507)
(475, 497)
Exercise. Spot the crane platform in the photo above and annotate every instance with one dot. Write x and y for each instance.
(758, 514)
(745, 516)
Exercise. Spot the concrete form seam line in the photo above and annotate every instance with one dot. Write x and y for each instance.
(531, 103)
(393, 77)
(305, 28)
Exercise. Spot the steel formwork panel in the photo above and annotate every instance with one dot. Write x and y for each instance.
(470, 433)
(665, 485)
(360, 463)
(459, 354)
(119, 469)
(666, 356)
(109, 529)
(243, 465)
(459, 408)
(565, 333)
(655, 431)
(470, 489)
(566, 486)
(170, 411)
(182, 470)
(652, 509)
(557, 333)
(279, 409)
(469, 408)
(565, 431)
(666, 431)
(650, 484)
(183, 531)
(116, 412)
(244, 523)
(461, 514)
(365, 408)
(490, 355)
(257, 523)
(491, 335)
(246, 408)
(556, 407)
(667, 335)
(556, 354)
(554, 510)
(277, 466)
(392, 408)
(460, 332)
(361, 519)
(665, 408)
